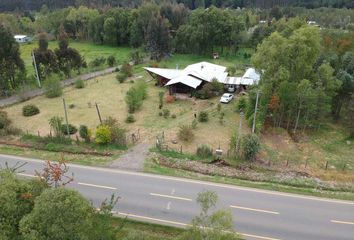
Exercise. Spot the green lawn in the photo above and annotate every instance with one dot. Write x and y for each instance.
(88, 50)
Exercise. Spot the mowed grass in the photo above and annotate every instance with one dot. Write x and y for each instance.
(109, 95)
(88, 50)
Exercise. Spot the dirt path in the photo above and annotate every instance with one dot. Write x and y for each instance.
(133, 159)
(40, 91)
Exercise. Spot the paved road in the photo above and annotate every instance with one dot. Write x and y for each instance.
(258, 214)
(40, 91)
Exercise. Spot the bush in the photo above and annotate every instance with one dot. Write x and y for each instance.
(194, 124)
(203, 116)
(217, 87)
(53, 87)
(71, 105)
(111, 61)
(161, 94)
(204, 151)
(85, 133)
(30, 110)
(160, 114)
(121, 77)
(135, 96)
(103, 135)
(4, 120)
(231, 70)
(127, 69)
(173, 116)
(169, 98)
(166, 113)
(250, 146)
(130, 119)
(72, 129)
(79, 84)
(241, 104)
(98, 62)
(118, 133)
(185, 133)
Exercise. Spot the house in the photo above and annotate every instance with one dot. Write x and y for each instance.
(195, 76)
(22, 38)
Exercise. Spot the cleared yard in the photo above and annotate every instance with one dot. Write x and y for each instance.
(109, 95)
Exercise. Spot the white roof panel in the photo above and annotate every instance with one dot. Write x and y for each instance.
(186, 80)
(164, 72)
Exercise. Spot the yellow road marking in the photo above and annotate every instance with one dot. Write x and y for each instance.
(342, 222)
(253, 209)
(234, 187)
(172, 197)
(97, 186)
(184, 224)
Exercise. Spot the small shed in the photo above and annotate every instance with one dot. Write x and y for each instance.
(22, 38)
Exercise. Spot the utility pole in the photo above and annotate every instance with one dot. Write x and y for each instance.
(66, 118)
(255, 112)
(36, 70)
(239, 134)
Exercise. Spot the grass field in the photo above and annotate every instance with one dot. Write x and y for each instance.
(109, 94)
(88, 50)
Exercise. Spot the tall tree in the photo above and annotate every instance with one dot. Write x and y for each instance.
(158, 37)
(12, 68)
(46, 60)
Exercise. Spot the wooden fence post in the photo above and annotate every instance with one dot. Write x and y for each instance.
(326, 165)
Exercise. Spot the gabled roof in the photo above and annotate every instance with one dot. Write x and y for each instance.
(164, 72)
(250, 77)
(20, 36)
(207, 71)
(190, 81)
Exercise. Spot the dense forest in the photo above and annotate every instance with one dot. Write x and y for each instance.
(12, 5)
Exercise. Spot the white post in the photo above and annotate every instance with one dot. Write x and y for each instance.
(36, 70)
(255, 113)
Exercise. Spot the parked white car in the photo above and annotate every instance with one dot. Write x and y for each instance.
(226, 98)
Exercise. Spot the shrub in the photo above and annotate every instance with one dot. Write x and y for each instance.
(79, 84)
(160, 114)
(204, 151)
(166, 113)
(53, 87)
(250, 146)
(218, 107)
(221, 117)
(217, 87)
(127, 69)
(55, 124)
(71, 105)
(130, 119)
(173, 116)
(4, 120)
(169, 98)
(231, 70)
(111, 61)
(103, 135)
(241, 104)
(161, 94)
(121, 77)
(72, 129)
(30, 110)
(85, 133)
(135, 96)
(118, 133)
(194, 124)
(203, 116)
(185, 133)
(98, 62)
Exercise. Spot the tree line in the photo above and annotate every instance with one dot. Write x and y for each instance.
(306, 78)
(11, 5)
